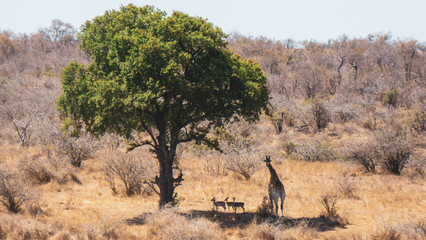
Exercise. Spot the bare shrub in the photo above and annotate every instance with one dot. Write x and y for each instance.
(240, 149)
(364, 154)
(43, 170)
(245, 165)
(214, 164)
(20, 118)
(14, 190)
(393, 150)
(241, 157)
(329, 201)
(112, 141)
(314, 151)
(37, 170)
(345, 113)
(390, 148)
(77, 149)
(132, 169)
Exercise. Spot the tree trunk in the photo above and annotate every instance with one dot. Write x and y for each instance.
(166, 181)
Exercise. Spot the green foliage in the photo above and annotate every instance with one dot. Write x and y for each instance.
(391, 97)
(152, 70)
(170, 76)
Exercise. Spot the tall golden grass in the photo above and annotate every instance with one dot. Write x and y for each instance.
(369, 206)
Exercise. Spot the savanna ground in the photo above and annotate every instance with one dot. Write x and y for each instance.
(368, 206)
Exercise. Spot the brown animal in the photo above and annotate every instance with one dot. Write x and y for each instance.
(235, 205)
(218, 204)
(275, 188)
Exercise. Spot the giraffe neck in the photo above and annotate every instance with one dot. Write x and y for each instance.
(274, 176)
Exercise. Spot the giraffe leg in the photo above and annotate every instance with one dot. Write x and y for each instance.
(276, 206)
(271, 202)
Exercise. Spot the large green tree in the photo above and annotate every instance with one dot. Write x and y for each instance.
(172, 77)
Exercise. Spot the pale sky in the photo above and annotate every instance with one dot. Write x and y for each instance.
(300, 20)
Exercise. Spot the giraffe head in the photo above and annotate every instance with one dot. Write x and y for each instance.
(268, 160)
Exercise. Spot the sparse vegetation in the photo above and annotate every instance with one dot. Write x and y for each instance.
(393, 150)
(364, 154)
(134, 171)
(77, 149)
(314, 151)
(349, 100)
(14, 190)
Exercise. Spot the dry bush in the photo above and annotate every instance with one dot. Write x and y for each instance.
(240, 149)
(390, 148)
(329, 201)
(15, 191)
(43, 170)
(364, 155)
(393, 150)
(214, 164)
(244, 164)
(343, 113)
(133, 169)
(112, 141)
(77, 149)
(168, 224)
(314, 151)
(37, 170)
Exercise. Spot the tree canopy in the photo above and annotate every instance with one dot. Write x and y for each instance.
(172, 77)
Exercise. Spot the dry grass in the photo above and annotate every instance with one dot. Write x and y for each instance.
(369, 205)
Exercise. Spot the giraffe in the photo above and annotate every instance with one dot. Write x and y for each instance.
(276, 188)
